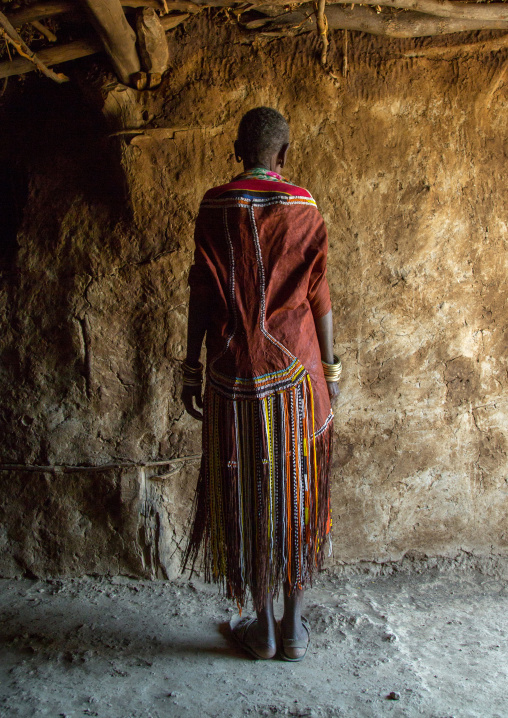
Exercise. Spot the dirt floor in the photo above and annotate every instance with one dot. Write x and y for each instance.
(126, 648)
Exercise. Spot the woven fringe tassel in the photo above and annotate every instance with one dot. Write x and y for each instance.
(261, 509)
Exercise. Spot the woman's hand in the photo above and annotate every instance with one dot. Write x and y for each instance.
(333, 391)
(189, 393)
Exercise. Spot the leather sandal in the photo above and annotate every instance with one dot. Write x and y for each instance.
(292, 643)
(239, 630)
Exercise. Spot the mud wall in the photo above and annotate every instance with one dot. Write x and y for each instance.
(406, 158)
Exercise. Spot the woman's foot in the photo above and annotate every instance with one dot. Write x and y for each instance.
(255, 638)
(294, 629)
(295, 637)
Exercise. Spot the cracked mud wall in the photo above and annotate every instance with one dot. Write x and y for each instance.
(407, 161)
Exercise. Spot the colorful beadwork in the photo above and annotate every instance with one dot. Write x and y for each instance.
(262, 504)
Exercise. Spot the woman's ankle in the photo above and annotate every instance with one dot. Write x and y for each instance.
(291, 626)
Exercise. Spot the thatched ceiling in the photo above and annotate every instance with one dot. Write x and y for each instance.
(40, 35)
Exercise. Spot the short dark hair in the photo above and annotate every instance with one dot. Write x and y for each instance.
(261, 133)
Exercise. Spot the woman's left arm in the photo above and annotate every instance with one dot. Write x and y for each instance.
(320, 304)
(198, 320)
(324, 331)
(197, 324)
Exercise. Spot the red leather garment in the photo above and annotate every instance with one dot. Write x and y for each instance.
(260, 272)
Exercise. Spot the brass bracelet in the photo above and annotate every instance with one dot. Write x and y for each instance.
(333, 371)
(192, 376)
(193, 382)
(187, 369)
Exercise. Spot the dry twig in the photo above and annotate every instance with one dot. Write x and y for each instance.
(48, 34)
(322, 28)
(344, 53)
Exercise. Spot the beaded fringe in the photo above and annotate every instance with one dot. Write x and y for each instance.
(261, 508)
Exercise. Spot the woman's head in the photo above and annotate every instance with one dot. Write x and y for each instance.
(263, 139)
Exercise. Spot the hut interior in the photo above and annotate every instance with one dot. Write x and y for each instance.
(115, 118)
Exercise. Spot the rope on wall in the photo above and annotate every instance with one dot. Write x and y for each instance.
(69, 469)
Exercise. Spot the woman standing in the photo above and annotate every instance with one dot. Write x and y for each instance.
(259, 293)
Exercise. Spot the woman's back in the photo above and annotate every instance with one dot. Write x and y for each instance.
(260, 269)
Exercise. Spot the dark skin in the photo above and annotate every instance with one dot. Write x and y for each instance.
(261, 636)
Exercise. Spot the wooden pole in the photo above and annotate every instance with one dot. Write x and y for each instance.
(364, 19)
(51, 56)
(442, 8)
(405, 24)
(48, 34)
(480, 11)
(117, 36)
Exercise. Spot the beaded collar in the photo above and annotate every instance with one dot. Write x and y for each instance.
(260, 173)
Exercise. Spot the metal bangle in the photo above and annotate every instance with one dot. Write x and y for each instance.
(333, 371)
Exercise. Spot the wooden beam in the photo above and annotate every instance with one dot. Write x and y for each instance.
(41, 10)
(117, 36)
(481, 11)
(10, 35)
(52, 56)
(406, 24)
(444, 8)
(401, 25)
